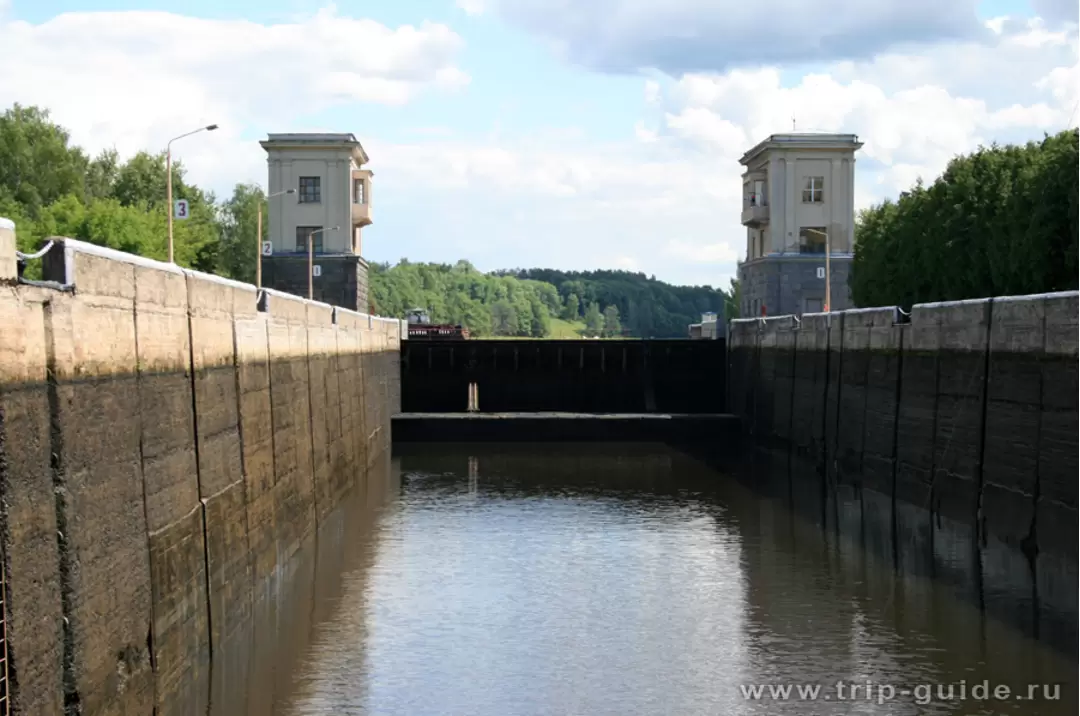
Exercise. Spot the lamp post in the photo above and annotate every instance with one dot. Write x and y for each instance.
(168, 178)
(311, 260)
(258, 236)
(828, 276)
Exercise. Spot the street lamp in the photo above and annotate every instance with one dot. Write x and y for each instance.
(258, 236)
(311, 260)
(168, 177)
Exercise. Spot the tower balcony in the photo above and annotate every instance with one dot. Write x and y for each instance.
(361, 214)
(361, 197)
(755, 215)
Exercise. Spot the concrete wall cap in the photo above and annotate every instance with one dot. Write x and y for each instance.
(7, 224)
(83, 247)
(1039, 296)
(213, 278)
(284, 294)
(875, 309)
(339, 311)
(942, 304)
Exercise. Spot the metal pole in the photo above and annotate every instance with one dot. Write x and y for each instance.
(258, 248)
(311, 266)
(168, 179)
(259, 234)
(168, 192)
(828, 275)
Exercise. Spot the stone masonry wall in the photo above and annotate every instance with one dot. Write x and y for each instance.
(780, 283)
(167, 441)
(967, 408)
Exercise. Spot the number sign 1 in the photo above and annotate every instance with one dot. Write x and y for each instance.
(316, 270)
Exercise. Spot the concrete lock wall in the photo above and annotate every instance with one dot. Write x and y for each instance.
(168, 439)
(965, 408)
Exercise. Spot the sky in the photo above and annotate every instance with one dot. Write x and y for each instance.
(570, 134)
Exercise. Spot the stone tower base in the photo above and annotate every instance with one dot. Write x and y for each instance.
(343, 279)
(790, 284)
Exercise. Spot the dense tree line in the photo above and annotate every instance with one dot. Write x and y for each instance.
(999, 221)
(460, 294)
(493, 304)
(642, 305)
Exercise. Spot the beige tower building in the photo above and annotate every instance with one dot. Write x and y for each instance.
(330, 204)
(798, 205)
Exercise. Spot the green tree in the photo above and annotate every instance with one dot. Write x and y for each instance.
(37, 166)
(732, 300)
(572, 308)
(504, 319)
(539, 318)
(594, 320)
(237, 254)
(999, 221)
(612, 327)
(101, 175)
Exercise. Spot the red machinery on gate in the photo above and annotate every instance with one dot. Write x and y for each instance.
(421, 327)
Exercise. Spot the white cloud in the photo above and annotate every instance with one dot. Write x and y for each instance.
(1057, 10)
(135, 79)
(913, 113)
(471, 7)
(652, 91)
(679, 36)
(643, 133)
(718, 252)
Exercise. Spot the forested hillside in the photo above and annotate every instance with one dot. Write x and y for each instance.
(1000, 221)
(646, 307)
(540, 302)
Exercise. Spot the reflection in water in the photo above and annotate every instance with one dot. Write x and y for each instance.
(634, 580)
(256, 672)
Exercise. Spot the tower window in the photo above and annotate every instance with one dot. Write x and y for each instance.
(310, 190)
(814, 190)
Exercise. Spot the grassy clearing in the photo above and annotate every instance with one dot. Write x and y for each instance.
(560, 329)
(566, 329)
